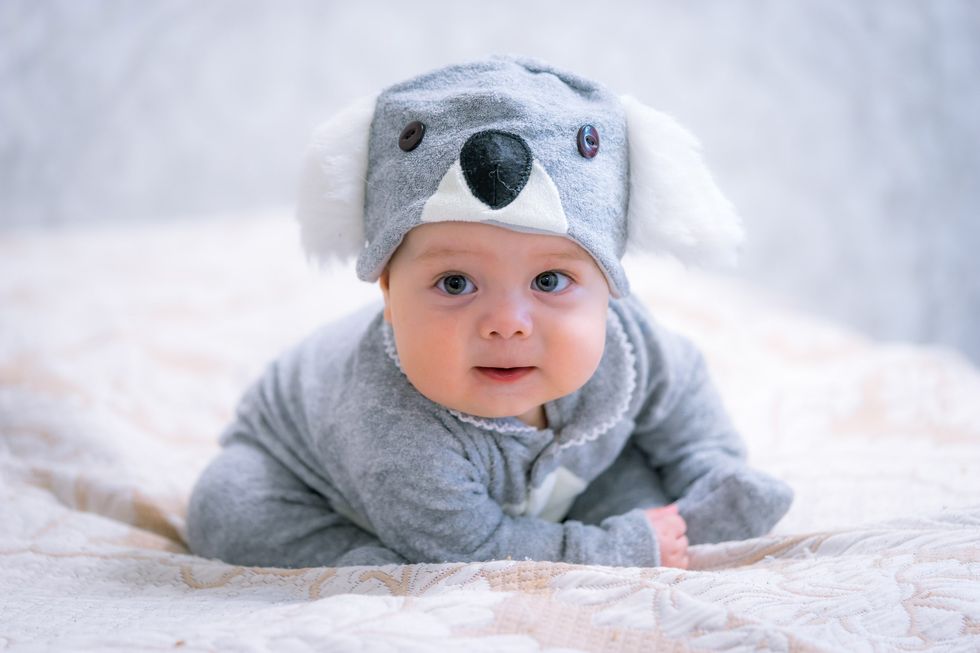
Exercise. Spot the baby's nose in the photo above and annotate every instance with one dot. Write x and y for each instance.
(496, 166)
(507, 318)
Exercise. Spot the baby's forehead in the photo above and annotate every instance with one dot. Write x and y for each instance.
(451, 240)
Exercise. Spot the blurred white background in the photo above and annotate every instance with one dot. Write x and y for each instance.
(847, 133)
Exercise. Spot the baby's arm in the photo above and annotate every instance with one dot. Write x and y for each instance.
(700, 458)
(684, 429)
(441, 511)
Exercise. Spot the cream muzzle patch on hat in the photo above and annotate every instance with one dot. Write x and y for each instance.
(501, 183)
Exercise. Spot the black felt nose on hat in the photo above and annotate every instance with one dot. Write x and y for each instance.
(496, 166)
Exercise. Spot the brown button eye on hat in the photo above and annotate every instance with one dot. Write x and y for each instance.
(588, 141)
(411, 136)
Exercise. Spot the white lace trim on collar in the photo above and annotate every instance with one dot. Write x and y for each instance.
(389, 338)
(492, 424)
(626, 396)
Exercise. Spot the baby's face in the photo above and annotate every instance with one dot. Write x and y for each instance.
(492, 322)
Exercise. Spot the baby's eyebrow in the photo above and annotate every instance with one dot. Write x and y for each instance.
(439, 252)
(571, 256)
(444, 252)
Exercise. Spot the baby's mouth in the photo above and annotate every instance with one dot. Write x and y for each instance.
(505, 373)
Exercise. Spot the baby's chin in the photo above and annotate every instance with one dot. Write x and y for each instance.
(515, 408)
(523, 409)
(493, 398)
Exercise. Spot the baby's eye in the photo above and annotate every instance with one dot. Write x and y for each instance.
(551, 281)
(455, 284)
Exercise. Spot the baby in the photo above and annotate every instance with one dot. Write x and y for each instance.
(510, 399)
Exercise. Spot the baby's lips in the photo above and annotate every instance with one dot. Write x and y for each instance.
(504, 366)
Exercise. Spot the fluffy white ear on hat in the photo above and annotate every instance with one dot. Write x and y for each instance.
(674, 205)
(330, 208)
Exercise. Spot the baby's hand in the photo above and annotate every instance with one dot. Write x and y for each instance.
(671, 536)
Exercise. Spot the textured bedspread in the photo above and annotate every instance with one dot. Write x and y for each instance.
(123, 351)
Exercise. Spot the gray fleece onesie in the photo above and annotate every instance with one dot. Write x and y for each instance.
(335, 459)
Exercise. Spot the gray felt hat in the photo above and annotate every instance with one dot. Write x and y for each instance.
(519, 144)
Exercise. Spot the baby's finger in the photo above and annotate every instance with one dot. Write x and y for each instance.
(675, 524)
(671, 509)
(675, 546)
(678, 560)
(683, 523)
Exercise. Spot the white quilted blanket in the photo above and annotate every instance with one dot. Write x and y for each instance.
(123, 351)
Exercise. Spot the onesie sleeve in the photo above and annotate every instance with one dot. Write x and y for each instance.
(682, 424)
(433, 506)
(690, 441)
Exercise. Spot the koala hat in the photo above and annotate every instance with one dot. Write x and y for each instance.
(519, 144)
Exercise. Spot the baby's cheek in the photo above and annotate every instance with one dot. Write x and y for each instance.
(586, 336)
(431, 362)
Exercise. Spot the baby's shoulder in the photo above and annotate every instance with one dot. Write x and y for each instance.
(659, 349)
(353, 362)
(345, 372)
(332, 343)
(319, 365)
(640, 325)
